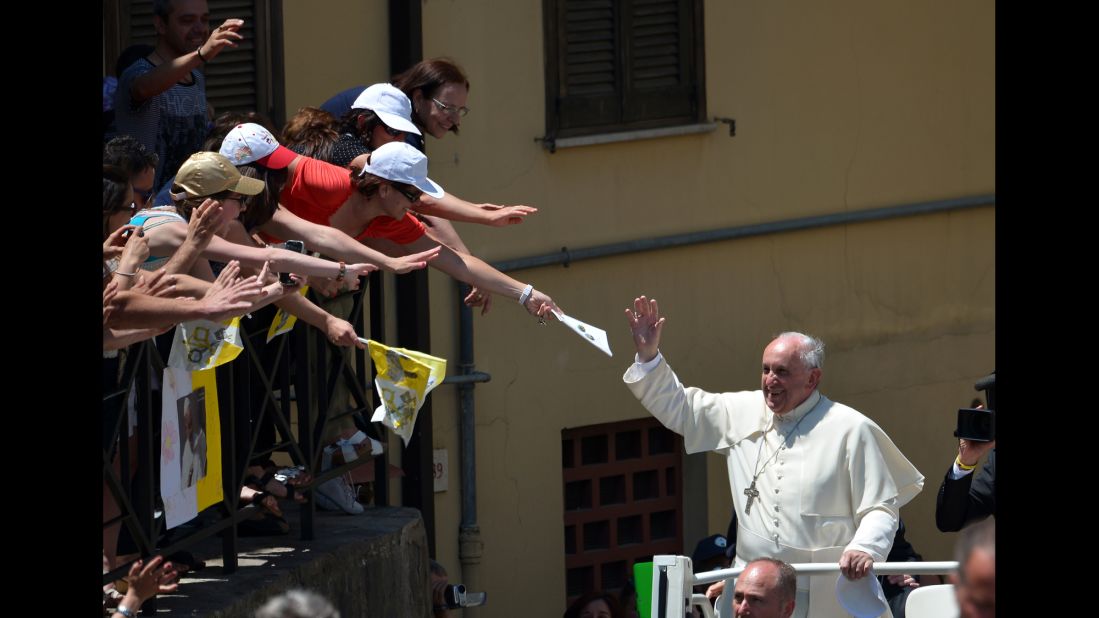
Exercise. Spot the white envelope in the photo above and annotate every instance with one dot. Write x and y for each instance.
(593, 335)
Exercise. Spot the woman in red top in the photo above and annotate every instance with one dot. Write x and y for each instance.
(368, 206)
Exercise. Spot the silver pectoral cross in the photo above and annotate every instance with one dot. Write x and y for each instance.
(752, 494)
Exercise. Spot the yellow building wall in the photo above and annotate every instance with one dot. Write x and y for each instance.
(839, 107)
(332, 45)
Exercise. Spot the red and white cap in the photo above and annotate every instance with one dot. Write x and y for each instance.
(251, 143)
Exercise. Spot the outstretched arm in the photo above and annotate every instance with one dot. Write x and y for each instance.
(456, 209)
(339, 331)
(152, 83)
(167, 238)
(335, 243)
(473, 271)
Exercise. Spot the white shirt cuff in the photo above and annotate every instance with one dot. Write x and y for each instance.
(957, 472)
(645, 368)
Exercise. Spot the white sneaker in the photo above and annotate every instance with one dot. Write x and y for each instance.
(341, 493)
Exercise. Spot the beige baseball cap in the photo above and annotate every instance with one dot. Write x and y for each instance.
(209, 173)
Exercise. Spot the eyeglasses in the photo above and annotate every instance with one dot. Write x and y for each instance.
(450, 109)
(411, 194)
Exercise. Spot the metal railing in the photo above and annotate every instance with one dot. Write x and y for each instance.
(673, 580)
(301, 366)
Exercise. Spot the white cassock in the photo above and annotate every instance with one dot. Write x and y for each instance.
(200, 454)
(187, 466)
(836, 482)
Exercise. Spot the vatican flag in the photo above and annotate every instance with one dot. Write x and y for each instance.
(202, 344)
(405, 377)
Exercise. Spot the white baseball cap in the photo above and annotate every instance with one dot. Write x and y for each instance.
(400, 162)
(250, 142)
(390, 104)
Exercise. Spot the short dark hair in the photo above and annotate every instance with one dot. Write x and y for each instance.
(162, 9)
(116, 182)
(130, 155)
(787, 584)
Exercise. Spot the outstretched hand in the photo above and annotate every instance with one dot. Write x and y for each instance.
(500, 216)
(415, 261)
(541, 306)
(478, 298)
(226, 35)
(147, 579)
(204, 223)
(646, 326)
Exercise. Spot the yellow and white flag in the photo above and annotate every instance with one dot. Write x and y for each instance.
(190, 448)
(405, 377)
(202, 344)
(284, 322)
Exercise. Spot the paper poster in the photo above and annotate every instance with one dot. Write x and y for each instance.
(405, 377)
(190, 449)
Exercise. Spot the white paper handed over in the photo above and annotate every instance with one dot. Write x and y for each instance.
(592, 334)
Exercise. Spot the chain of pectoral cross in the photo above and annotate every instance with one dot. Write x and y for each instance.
(751, 490)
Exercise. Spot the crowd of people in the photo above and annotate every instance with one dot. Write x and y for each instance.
(197, 206)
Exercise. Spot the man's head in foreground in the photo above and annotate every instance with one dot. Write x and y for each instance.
(766, 589)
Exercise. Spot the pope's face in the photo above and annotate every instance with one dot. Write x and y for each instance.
(786, 381)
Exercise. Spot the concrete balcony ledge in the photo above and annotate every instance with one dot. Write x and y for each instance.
(373, 564)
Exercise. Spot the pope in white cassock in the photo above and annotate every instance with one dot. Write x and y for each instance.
(812, 480)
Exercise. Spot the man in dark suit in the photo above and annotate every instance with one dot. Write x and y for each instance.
(962, 498)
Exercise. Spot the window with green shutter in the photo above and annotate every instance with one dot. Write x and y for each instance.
(621, 65)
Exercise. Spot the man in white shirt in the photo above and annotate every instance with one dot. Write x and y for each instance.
(812, 480)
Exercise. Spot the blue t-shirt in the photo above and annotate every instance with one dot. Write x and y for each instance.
(172, 124)
(340, 103)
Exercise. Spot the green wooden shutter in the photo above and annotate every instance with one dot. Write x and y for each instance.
(615, 65)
